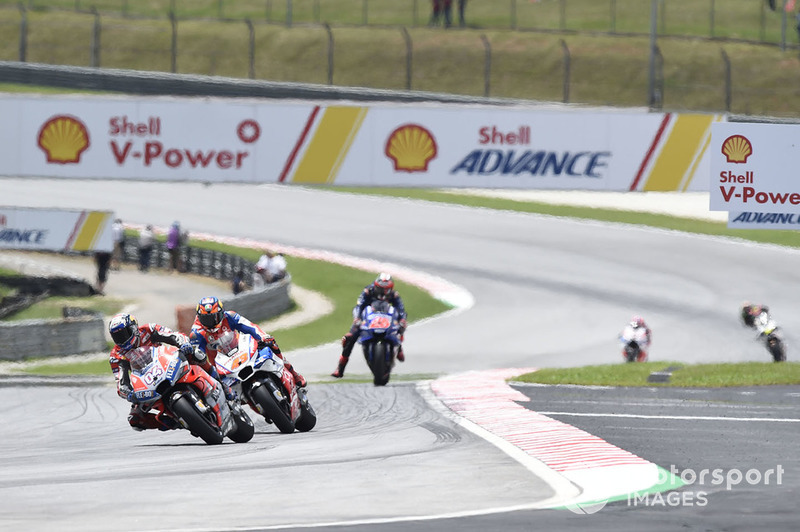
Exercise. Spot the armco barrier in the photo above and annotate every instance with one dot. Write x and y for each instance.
(45, 338)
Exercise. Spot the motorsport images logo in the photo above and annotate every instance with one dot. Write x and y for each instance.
(671, 480)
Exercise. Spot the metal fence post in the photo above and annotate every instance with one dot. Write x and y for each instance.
(330, 53)
(728, 88)
(95, 54)
(513, 21)
(487, 69)
(23, 34)
(567, 70)
(251, 52)
(409, 50)
(613, 16)
(174, 52)
(288, 13)
(711, 20)
(651, 73)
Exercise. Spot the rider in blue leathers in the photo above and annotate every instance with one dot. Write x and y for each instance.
(382, 288)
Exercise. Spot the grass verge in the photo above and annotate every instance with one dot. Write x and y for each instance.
(689, 375)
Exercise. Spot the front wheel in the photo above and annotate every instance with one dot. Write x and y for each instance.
(379, 364)
(272, 409)
(308, 418)
(198, 424)
(631, 352)
(776, 348)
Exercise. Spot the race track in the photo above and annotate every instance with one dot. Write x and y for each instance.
(547, 292)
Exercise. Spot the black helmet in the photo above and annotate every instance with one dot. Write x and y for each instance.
(124, 331)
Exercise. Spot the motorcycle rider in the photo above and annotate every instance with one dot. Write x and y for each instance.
(128, 336)
(637, 329)
(212, 323)
(749, 312)
(382, 288)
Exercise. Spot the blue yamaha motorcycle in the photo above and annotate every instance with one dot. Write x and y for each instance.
(379, 339)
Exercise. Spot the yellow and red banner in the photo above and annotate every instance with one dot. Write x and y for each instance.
(55, 230)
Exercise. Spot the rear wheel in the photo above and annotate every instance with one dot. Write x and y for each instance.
(273, 410)
(198, 424)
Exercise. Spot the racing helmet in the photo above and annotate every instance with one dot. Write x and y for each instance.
(124, 330)
(210, 312)
(383, 286)
(637, 321)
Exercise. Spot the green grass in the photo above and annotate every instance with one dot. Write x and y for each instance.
(605, 68)
(689, 375)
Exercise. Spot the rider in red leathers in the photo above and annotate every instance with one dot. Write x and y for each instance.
(382, 288)
(128, 336)
(212, 326)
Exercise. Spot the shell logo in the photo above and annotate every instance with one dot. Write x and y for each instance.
(63, 139)
(411, 147)
(737, 149)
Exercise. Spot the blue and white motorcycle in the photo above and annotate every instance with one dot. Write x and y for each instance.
(379, 338)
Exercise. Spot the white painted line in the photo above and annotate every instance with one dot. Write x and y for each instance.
(689, 418)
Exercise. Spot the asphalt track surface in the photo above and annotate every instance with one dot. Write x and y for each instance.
(548, 292)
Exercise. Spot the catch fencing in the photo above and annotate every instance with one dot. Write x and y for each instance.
(408, 56)
(762, 21)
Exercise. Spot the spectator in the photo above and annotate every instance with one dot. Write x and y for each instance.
(237, 283)
(118, 238)
(442, 9)
(271, 267)
(103, 260)
(174, 247)
(146, 242)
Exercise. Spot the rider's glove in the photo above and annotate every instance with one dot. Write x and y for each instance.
(126, 391)
(269, 342)
(187, 350)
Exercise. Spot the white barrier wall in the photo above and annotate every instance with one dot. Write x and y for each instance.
(55, 230)
(398, 145)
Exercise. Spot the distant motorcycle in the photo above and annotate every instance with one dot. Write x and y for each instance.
(162, 378)
(634, 344)
(261, 380)
(379, 338)
(768, 333)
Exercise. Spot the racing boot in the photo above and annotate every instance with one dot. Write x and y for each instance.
(339, 373)
(299, 380)
(230, 395)
(400, 356)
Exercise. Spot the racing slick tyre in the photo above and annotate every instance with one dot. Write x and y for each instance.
(198, 424)
(273, 410)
